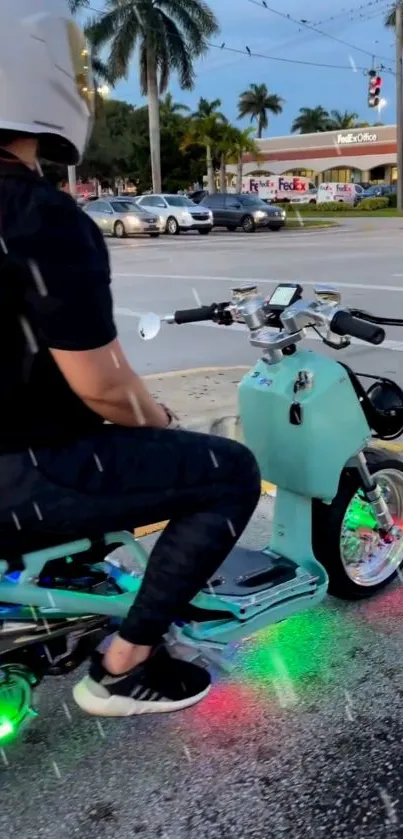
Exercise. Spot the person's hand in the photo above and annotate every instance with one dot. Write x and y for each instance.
(173, 420)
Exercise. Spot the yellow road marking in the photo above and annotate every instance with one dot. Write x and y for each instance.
(148, 529)
(267, 489)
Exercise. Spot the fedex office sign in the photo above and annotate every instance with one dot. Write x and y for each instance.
(350, 138)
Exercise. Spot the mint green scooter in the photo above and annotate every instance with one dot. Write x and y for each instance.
(338, 510)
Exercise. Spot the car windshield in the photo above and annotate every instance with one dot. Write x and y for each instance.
(125, 207)
(372, 190)
(178, 201)
(250, 200)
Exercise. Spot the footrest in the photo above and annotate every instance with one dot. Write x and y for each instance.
(251, 590)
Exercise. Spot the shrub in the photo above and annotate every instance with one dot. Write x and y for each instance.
(393, 200)
(373, 204)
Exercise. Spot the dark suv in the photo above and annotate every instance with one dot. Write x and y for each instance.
(246, 211)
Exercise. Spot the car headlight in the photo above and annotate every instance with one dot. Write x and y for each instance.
(260, 214)
(185, 218)
(134, 221)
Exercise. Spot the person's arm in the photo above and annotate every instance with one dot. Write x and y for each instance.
(75, 318)
(103, 379)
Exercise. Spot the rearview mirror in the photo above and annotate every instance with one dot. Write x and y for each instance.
(149, 326)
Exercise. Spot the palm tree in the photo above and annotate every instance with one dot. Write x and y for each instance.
(311, 120)
(225, 149)
(206, 132)
(208, 108)
(171, 109)
(75, 5)
(256, 103)
(244, 143)
(342, 120)
(390, 19)
(169, 35)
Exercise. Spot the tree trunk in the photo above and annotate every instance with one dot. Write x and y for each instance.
(259, 128)
(223, 173)
(210, 170)
(239, 173)
(154, 119)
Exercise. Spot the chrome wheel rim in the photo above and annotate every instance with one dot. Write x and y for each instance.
(172, 226)
(119, 230)
(368, 557)
(15, 701)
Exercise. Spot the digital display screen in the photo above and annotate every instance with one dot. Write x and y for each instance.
(282, 296)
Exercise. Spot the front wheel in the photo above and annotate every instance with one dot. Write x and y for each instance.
(172, 226)
(17, 684)
(119, 230)
(248, 225)
(346, 540)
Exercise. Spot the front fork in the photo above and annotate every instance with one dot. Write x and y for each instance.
(374, 495)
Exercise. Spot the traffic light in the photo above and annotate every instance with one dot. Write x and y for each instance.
(374, 91)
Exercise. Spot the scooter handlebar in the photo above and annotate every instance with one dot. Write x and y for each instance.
(195, 315)
(344, 323)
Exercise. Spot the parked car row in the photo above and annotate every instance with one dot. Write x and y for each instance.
(154, 214)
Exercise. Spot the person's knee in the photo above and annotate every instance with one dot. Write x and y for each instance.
(245, 473)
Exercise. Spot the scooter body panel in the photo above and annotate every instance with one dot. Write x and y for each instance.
(306, 458)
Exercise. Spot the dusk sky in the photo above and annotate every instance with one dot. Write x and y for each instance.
(244, 23)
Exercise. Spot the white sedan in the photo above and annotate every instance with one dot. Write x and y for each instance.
(178, 213)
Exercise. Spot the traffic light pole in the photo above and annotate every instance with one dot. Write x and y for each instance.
(399, 102)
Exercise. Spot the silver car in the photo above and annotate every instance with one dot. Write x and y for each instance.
(120, 218)
(178, 212)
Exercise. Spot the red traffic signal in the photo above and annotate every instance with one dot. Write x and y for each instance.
(374, 92)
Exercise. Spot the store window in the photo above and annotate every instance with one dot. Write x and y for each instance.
(300, 173)
(342, 176)
(393, 175)
(377, 175)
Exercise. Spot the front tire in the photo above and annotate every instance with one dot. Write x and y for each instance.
(248, 225)
(119, 231)
(345, 538)
(172, 227)
(17, 707)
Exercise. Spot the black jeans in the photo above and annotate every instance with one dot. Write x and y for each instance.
(118, 479)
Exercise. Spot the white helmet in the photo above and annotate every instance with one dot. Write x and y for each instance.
(46, 84)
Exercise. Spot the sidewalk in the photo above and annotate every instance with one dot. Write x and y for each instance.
(200, 398)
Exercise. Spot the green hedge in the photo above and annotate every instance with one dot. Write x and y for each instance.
(366, 205)
(373, 204)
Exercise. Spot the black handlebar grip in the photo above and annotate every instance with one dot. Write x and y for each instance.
(343, 323)
(195, 315)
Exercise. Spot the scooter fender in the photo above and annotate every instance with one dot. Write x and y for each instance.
(302, 435)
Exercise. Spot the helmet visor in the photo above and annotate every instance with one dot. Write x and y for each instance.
(82, 68)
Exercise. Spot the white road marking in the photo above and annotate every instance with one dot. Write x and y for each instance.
(258, 280)
(397, 346)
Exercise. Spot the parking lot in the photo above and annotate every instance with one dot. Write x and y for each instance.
(312, 748)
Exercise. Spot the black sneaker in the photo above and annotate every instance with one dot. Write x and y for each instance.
(159, 685)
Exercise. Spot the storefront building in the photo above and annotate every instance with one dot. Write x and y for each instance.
(359, 155)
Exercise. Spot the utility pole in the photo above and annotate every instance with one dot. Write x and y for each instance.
(399, 102)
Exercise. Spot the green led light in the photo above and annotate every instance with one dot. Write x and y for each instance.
(6, 730)
(359, 514)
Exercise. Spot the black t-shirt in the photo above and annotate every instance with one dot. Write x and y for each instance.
(73, 312)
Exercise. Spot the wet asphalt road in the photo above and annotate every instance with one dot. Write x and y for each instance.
(304, 738)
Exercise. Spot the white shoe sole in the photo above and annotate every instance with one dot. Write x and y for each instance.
(126, 706)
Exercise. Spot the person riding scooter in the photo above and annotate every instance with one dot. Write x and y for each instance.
(84, 447)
